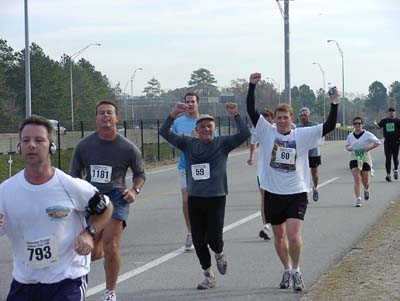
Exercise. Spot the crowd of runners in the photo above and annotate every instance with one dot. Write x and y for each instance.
(69, 220)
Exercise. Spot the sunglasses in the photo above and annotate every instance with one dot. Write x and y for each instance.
(356, 123)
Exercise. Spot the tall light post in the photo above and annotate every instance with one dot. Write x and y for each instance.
(28, 101)
(341, 54)
(285, 15)
(323, 83)
(133, 76)
(279, 88)
(125, 97)
(71, 60)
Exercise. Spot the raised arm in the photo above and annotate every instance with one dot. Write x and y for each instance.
(251, 100)
(165, 130)
(244, 131)
(330, 123)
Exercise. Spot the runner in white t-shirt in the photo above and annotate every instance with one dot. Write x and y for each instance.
(43, 211)
(269, 116)
(359, 143)
(285, 176)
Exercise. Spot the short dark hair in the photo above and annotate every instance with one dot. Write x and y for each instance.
(107, 102)
(391, 109)
(192, 94)
(358, 118)
(38, 120)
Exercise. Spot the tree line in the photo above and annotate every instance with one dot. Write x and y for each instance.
(51, 91)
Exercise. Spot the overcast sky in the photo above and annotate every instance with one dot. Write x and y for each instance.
(231, 38)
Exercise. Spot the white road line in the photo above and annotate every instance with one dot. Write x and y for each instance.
(177, 252)
(328, 182)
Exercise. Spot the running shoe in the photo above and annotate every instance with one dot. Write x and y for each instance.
(315, 195)
(222, 263)
(298, 284)
(109, 296)
(285, 282)
(396, 174)
(388, 178)
(264, 233)
(208, 282)
(358, 202)
(189, 243)
(366, 194)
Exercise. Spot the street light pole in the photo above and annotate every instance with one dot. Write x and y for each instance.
(72, 57)
(343, 103)
(323, 84)
(125, 97)
(133, 76)
(285, 15)
(279, 88)
(28, 95)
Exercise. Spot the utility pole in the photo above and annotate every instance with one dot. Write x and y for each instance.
(28, 98)
(285, 15)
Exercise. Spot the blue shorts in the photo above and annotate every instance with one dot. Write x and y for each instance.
(121, 207)
(65, 290)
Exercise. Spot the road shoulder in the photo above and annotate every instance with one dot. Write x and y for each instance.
(371, 270)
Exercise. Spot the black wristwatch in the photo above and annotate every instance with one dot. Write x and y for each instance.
(92, 231)
(137, 190)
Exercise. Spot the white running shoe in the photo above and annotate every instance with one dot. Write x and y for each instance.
(189, 243)
(358, 202)
(208, 282)
(109, 296)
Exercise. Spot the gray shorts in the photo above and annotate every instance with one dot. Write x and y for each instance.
(121, 207)
(182, 178)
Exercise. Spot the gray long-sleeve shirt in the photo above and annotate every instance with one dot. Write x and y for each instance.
(205, 163)
(106, 162)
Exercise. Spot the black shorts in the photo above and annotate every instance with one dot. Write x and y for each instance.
(354, 164)
(314, 161)
(278, 208)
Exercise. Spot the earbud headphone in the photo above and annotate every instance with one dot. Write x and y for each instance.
(52, 148)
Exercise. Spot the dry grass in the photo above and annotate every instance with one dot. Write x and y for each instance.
(371, 271)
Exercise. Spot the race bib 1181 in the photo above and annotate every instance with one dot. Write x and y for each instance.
(100, 173)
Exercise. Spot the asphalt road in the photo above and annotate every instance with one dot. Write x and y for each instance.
(156, 268)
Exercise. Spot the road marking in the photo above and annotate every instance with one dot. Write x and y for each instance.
(156, 262)
(328, 182)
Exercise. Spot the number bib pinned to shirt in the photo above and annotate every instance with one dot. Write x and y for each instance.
(100, 173)
(41, 253)
(200, 171)
(285, 155)
(359, 153)
(390, 127)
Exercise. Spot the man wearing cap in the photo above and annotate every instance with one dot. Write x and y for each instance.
(314, 155)
(205, 164)
(391, 132)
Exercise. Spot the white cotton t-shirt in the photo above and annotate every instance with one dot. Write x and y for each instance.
(42, 223)
(367, 139)
(285, 169)
(254, 140)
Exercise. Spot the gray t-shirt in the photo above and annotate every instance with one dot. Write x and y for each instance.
(105, 163)
(205, 164)
(314, 152)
